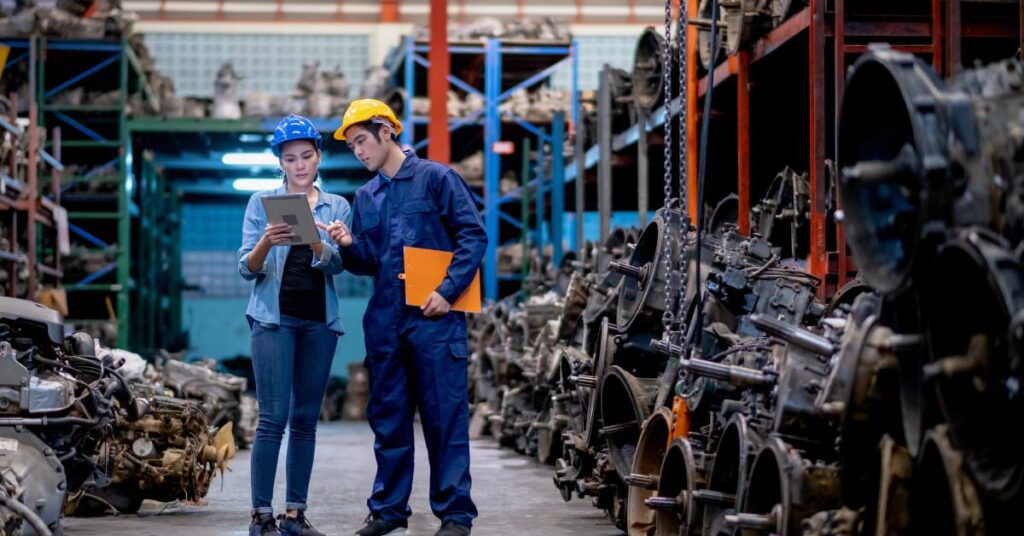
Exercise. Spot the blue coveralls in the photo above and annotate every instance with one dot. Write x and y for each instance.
(414, 361)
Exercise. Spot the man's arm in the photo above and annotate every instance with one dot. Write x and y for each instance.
(459, 213)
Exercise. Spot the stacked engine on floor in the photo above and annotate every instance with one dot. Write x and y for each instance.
(75, 436)
(729, 400)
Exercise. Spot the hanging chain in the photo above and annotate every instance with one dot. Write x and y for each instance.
(667, 316)
(683, 119)
(683, 161)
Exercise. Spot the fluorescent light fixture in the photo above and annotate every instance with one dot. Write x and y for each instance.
(252, 184)
(254, 138)
(250, 159)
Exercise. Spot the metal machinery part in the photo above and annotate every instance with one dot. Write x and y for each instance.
(884, 412)
(32, 477)
(743, 21)
(727, 476)
(648, 69)
(945, 500)
(643, 477)
(169, 454)
(682, 473)
(55, 394)
(625, 404)
(933, 195)
(783, 490)
(71, 426)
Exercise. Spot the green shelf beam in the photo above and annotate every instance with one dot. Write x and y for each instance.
(94, 215)
(77, 144)
(96, 287)
(185, 124)
(93, 108)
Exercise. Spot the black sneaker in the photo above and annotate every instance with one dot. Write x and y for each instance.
(451, 528)
(263, 525)
(297, 526)
(380, 527)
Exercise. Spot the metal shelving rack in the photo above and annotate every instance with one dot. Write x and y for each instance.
(97, 142)
(937, 33)
(21, 198)
(508, 66)
(157, 238)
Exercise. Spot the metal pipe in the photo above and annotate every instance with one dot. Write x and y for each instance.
(793, 335)
(637, 480)
(759, 522)
(738, 376)
(557, 185)
(664, 504)
(437, 83)
(524, 213)
(642, 168)
(581, 171)
(717, 498)
(27, 514)
(604, 167)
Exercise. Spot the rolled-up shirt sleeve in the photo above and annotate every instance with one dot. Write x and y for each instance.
(252, 230)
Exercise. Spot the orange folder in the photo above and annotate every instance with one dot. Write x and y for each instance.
(424, 271)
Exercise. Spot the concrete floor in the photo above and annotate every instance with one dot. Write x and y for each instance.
(514, 494)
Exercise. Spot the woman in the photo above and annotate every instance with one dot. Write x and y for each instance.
(293, 313)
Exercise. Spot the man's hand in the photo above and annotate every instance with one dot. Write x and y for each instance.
(338, 232)
(435, 306)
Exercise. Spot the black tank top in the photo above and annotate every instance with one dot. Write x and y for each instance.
(302, 287)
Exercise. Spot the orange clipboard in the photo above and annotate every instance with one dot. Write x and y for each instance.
(424, 271)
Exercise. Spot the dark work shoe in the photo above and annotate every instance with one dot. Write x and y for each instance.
(263, 525)
(297, 526)
(380, 527)
(451, 528)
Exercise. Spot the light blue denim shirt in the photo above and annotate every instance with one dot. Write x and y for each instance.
(264, 305)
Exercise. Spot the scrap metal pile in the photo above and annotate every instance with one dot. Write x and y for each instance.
(81, 434)
(729, 400)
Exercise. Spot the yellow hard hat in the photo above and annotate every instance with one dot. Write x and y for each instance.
(363, 110)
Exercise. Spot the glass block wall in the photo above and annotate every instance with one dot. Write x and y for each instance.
(270, 63)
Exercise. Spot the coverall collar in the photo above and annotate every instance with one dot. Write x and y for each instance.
(405, 172)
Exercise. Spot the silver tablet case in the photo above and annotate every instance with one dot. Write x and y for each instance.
(292, 209)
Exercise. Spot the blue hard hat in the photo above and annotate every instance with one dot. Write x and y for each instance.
(294, 127)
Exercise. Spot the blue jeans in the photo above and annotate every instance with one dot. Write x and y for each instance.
(291, 363)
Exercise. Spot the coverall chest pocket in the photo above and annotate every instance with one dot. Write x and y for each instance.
(370, 221)
(418, 219)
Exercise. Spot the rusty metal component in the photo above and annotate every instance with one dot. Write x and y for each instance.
(625, 404)
(894, 479)
(169, 454)
(733, 456)
(644, 478)
(945, 500)
(676, 512)
(743, 22)
(975, 363)
(648, 69)
(645, 277)
(783, 489)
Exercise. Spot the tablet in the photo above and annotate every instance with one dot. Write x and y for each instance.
(292, 209)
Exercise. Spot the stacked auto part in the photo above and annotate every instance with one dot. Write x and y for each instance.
(172, 453)
(743, 23)
(762, 410)
(76, 436)
(56, 400)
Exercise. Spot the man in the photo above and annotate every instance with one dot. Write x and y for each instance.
(416, 357)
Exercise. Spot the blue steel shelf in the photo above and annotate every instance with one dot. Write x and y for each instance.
(501, 59)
